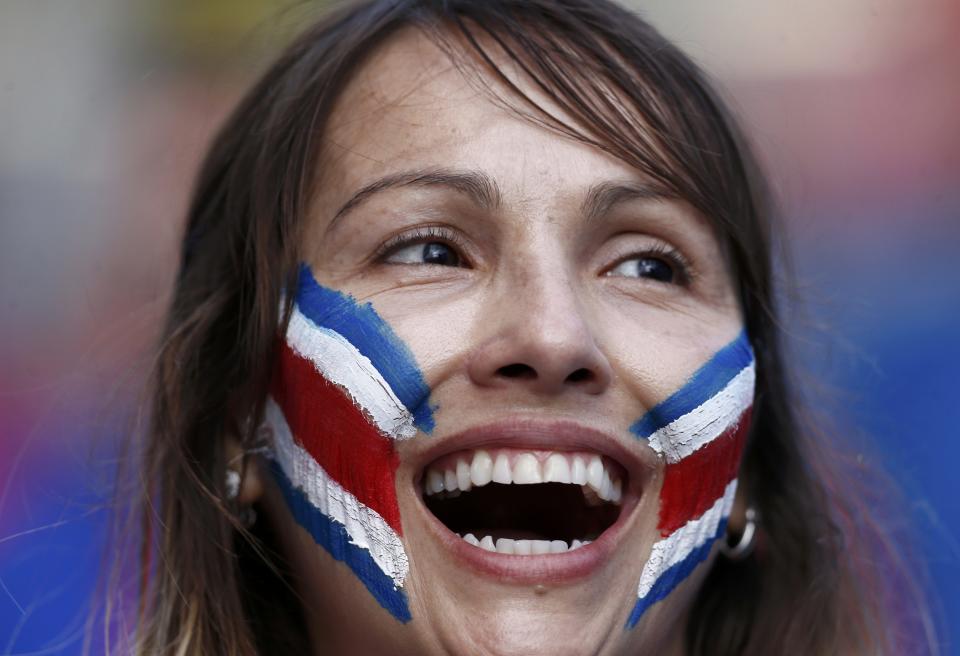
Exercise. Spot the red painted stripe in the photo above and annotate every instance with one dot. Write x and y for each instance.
(325, 421)
(694, 484)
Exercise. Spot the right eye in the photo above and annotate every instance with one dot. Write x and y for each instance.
(425, 245)
(420, 252)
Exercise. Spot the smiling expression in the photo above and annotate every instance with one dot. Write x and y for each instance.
(544, 299)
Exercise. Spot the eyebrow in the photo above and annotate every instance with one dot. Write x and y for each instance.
(485, 192)
(477, 186)
(603, 197)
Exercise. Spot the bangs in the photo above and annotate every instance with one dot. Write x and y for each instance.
(618, 86)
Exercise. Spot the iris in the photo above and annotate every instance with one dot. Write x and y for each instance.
(436, 252)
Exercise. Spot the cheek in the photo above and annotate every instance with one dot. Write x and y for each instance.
(700, 430)
(438, 325)
(344, 391)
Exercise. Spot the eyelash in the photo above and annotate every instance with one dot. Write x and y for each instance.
(422, 234)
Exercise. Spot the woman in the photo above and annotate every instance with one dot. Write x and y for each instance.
(473, 349)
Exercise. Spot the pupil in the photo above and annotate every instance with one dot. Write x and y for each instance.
(654, 268)
(437, 253)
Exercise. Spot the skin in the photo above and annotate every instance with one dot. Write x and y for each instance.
(540, 284)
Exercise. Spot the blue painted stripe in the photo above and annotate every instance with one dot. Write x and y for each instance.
(332, 536)
(703, 385)
(360, 324)
(674, 576)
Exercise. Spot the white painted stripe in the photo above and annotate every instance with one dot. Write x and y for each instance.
(342, 364)
(674, 548)
(709, 420)
(367, 529)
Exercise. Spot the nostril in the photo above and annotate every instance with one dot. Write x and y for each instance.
(518, 370)
(580, 376)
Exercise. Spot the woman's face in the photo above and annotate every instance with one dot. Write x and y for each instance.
(549, 296)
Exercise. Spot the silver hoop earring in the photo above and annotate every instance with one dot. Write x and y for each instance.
(231, 484)
(246, 515)
(234, 477)
(744, 546)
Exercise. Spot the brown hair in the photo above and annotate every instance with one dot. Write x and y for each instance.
(212, 587)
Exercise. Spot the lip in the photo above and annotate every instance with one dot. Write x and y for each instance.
(537, 435)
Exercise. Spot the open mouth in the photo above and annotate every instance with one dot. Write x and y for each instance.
(522, 502)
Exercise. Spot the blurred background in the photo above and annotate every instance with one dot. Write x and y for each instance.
(106, 107)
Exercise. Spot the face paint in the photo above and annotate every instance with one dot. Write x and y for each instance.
(344, 389)
(700, 430)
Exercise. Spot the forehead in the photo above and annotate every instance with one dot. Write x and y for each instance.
(410, 106)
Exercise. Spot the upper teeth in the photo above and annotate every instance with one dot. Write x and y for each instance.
(464, 471)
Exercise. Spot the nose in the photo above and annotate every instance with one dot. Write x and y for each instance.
(539, 340)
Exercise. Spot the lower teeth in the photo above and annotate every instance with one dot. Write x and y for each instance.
(524, 547)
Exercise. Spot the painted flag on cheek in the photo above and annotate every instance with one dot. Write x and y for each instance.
(344, 390)
(700, 430)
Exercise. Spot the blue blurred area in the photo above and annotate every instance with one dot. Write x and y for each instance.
(889, 300)
(52, 550)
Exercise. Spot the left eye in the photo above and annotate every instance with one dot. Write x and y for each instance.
(433, 252)
(644, 267)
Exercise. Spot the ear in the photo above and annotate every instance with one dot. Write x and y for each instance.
(248, 467)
